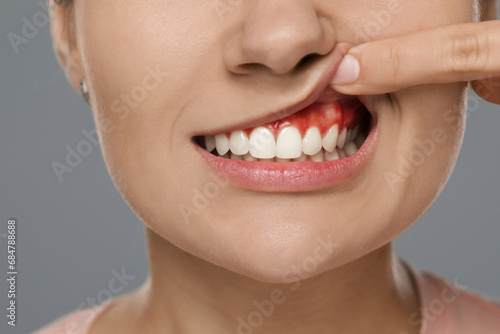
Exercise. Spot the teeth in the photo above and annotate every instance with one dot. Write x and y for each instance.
(303, 157)
(222, 144)
(330, 139)
(238, 144)
(330, 156)
(311, 144)
(289, 143)
(262, 144)
(342, 138)
(350, 148)
(249, 157)
(318, 157)
(359, 140)
(236, 156)
(354, 133)
(210, 143)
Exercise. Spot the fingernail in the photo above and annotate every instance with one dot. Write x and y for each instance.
(348, 71)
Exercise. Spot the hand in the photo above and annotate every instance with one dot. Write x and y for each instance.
(461, 52)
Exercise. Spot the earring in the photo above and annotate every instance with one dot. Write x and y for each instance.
(85, 91)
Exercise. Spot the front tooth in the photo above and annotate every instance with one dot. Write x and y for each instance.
(282, 160)
(341, 153)
(262, 144)
(311, 144)
(342, 138)
(330, 156)
(238, 144)
(267, 160)
(330, 139)
(209, 143)
(249, 157)
(318, 157)
(348, 136)
(222, 144)
(350, 148)
(303, 157)
(289, 143)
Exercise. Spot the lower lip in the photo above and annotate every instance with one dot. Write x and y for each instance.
(292, 176)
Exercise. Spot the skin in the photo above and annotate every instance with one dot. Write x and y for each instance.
(208, 269)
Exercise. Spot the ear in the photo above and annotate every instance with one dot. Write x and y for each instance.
(488, 10)
(64, 41)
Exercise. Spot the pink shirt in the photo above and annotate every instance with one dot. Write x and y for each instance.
(446, 309)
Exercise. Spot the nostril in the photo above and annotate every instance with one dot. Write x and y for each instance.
(258, 67)
(306, 59)
(251, 68)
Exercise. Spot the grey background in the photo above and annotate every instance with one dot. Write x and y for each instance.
(72, 235)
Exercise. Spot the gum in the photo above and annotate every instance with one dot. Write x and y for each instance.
(345, 113)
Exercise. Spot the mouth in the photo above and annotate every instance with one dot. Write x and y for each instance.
(321, 145)
(331, 128)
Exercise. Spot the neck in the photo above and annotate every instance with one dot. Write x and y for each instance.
(186, 294)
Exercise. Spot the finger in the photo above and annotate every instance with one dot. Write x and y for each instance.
(460, 52)
(488, 89)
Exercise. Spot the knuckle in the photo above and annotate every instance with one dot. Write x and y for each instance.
(395, 59)
(466, 52)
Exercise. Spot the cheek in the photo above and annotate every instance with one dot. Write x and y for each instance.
(431, 129)
(388, 18)
(139, 87)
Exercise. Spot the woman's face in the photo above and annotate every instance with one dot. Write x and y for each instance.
(163, 73)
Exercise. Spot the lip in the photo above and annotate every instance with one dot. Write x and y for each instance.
(321, 93)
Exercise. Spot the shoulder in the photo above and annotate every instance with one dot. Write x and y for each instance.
(77, 322)
(447, 307)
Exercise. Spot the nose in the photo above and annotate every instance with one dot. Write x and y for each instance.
(277, 36)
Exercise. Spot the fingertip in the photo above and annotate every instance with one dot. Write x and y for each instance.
(347, 72)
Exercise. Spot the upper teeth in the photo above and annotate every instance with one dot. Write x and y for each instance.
(289, 145)
(238, 144)
(311, 144)
(262, 144)
(330, 139)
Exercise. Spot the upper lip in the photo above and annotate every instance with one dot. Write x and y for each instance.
(321, 88)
